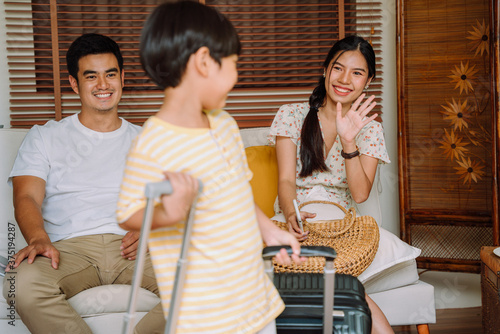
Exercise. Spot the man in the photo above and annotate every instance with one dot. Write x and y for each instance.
(66, 180)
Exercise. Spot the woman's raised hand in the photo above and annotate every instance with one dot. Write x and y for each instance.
(349, 125)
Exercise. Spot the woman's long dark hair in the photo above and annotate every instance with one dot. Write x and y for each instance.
(311, 153)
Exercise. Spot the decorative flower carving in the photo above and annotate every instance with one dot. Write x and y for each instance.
(466, 137)
(464, 77)
(470, 170)
(457, 113)
(452, 145)
(480, 37)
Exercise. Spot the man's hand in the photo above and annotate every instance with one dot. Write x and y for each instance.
(43, 248)
(129, 245)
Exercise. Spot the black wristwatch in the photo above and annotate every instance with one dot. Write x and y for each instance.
(349, 155)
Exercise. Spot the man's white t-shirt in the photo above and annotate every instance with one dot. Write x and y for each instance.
(82, 169)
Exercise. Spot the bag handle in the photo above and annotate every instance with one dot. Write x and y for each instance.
(323, 202)
(350, 216)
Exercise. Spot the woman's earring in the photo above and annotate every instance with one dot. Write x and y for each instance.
(366, 87)
(324, 75)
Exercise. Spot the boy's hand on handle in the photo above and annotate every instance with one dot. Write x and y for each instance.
(293, 225)
(349, 125)
(280, 237)
(185, 189)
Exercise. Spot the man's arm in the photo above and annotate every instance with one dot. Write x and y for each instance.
(29, 192)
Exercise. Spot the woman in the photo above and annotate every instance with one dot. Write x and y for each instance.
(328, 148)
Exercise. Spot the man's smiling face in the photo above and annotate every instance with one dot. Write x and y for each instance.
(100, 82)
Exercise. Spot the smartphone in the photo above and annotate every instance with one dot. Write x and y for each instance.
(4, 262)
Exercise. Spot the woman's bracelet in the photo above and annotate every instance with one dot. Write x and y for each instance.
(349, 155)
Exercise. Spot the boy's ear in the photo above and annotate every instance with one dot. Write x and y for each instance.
(203, 60)
(74, 84)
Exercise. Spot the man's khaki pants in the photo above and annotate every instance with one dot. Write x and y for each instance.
(41, 292)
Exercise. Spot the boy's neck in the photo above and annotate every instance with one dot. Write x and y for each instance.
(182, 110)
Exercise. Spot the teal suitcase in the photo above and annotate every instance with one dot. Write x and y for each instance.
(308, 295)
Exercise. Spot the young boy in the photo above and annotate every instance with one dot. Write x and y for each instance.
(190, 50)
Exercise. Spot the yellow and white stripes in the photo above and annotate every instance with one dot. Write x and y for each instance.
(226, 290)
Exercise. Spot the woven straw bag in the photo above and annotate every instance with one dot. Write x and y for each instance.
(355, 239)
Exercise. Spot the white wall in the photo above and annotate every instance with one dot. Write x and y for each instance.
(4, 74)
(389, 173)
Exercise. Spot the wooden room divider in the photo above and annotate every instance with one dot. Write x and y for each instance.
(448, 129)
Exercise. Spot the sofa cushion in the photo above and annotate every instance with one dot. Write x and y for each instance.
(113, 298)
(408, 305)
(262, 162)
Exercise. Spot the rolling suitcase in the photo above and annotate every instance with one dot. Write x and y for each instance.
(307, 295)
(152, 191)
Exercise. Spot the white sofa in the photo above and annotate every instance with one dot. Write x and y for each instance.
(404, 299)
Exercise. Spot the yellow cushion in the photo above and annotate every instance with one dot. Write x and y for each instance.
(264, 166)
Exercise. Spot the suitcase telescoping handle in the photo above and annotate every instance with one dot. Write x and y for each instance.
(329, 275)
(152, 191)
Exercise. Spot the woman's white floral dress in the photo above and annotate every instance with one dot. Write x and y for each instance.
(370, 141)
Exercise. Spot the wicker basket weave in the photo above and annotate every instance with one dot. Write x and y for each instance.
(355, 239)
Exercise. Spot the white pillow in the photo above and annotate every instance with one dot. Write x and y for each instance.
(391, 251)
(254, 136)
(399, 275)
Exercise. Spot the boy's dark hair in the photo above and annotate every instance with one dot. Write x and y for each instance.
(174, 31)
(311, 153)
(90, 44)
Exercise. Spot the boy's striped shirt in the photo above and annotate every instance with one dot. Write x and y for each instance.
(226, 290)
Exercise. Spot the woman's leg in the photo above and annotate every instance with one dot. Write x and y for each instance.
(380, 325)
